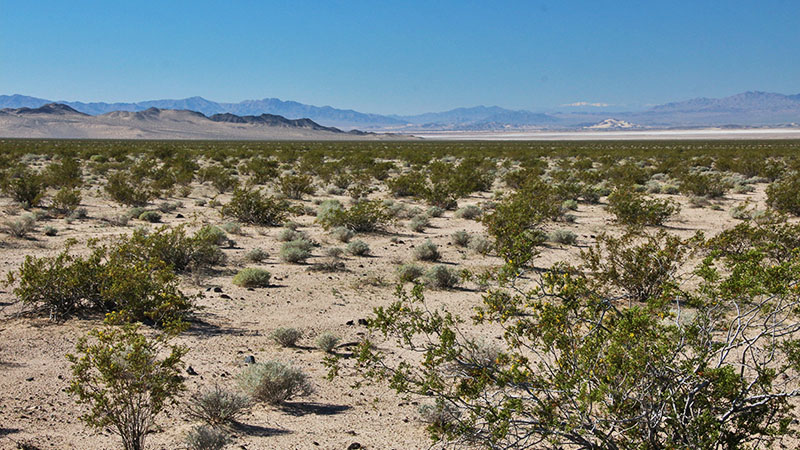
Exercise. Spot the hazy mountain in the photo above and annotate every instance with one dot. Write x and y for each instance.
(61, 121)
(745, 109)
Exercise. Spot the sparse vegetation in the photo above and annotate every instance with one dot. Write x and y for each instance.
(252, 277)
(274, 382)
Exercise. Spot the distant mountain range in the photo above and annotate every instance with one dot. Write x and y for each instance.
(742, 110)
(56, 120)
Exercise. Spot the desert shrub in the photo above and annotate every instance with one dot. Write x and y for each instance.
(567, 237)
(253, 207)
(741, 211)
(20, 227)
(204, 437)
(221, 178)
(784, 195)
(286, 337)
(439, 416)
(325, 209)
(364, 216)
(670, 189)
(252, 278)
(570, 204)
(631, 208)
(426, 251)
(256, 255)
(481, 245)
(150, 216)
(25, 187)
(120, 375)
(460, 238)
(66, 173)
(515, 223)
(274, 382)
(641, 267)
(125, 190)
(217, 406)
(407, 185)
(342, 234)
(174, 247)
(288, 234)
(419, 223)
(409, 272)
(232, 228)
(710, 185)
(66, 200)
(261, 170)
(358, 248)
(292, 225)
(334, 252)
(441, 277)
(434, 211)
(327, 342)
(295, 252)
(50, 231)
(295, 186)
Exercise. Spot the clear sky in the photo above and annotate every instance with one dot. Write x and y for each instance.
(400, 56)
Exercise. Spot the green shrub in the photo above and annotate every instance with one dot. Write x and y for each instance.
(274, 382)
(66, 173)
(784, 195)
(66, 200)
(295, 252)
(287, 234)
(632, 208)
(460, 238)
(327, 342)
(232, 228)
(253, 207)
(50, 231)
(286, 337)
(427, 251)
(175, 248)
(124, 381)
(221, 178)
(25, 187)
(295, 186)
(252, 278)
(125, 190)
(256, 255)
(441, 277)
(364, 216)
(150, 216)
(710, 185)
(358, 248)
(217, 406)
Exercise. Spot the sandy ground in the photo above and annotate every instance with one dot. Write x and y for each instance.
(236, 323)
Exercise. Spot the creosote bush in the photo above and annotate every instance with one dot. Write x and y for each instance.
(274, 382)
(126, 382)
(784, 195)
(364, 216)
(632, 208)
(252, 277)
(253, 207)
(66, 200)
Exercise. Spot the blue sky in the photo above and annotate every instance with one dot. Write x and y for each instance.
(400, 57)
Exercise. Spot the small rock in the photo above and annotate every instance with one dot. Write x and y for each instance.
(217, 289)
(179, 216)
(350, 323)
(190, 370)
(354, 446)
(363, 322)
(225, 296)
(250, 359)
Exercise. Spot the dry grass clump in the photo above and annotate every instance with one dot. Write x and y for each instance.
(274, 382)
(427, 251)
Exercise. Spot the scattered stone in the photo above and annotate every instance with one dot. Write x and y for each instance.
(354, 446)
(190, 370)
(250, 359)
